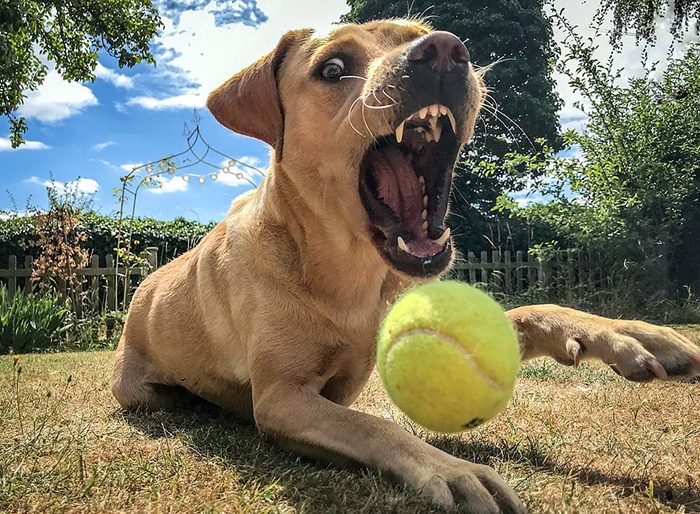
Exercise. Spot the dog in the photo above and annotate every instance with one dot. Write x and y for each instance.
(273, 316)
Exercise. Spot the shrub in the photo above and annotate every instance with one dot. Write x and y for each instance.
(30, 322)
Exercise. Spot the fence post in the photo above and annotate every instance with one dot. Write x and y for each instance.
(28, 261)
(471, 259)
(484, 271)
(12, 279)
(152, 257)
(519, 270)
(507, 270)
(111, 284)
(497, 280)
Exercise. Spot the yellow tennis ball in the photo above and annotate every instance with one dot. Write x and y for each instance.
(448, 356)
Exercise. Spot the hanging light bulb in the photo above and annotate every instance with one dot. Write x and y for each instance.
(186, 178)
(214, 176)
(149, 168)
(202, 180)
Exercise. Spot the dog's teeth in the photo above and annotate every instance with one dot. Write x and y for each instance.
(425, 201)
(452, 121)
(424, 214)
(443, 110)
(433, 124)
(434, 110)
(421, 179)
(402, 244)
(437, 132)
(428, 137)
(399, 132)
(425, 226)
(443, 238)
(423, 113)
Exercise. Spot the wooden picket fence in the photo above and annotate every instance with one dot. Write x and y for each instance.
(502, 272)
(111, 287)
(513, 272)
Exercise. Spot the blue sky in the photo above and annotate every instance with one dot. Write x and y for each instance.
(86, 136)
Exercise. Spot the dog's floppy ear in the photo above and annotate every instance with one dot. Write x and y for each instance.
(249, 102)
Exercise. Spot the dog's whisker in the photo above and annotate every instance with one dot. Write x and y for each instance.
(389, 97)
(353, 77)
(352, 106)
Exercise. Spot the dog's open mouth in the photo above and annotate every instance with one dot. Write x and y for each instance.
(405, 183)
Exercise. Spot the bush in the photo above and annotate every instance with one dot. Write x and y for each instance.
(30, 322)
(172, 238)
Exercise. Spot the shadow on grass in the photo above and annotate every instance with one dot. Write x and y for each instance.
(313, 487)
(260, 466)
(532, 454)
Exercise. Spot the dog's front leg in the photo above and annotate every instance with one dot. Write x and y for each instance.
(301, 420)
(637, 350)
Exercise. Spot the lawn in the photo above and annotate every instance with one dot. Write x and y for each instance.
(571, 441)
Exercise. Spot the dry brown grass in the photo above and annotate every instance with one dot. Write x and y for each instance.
(571, 441)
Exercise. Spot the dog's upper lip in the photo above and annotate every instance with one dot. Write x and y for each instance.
(429, 114)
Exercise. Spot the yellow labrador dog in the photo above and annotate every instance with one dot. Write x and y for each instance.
(273, 316)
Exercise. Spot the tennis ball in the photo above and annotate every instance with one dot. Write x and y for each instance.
(448, 356)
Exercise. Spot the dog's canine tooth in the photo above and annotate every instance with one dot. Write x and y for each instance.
(428, 136)
(401, 244)
(437, 132)
(423, 113)
(453, 122)
(399, 132)
(433, 123)
(443, 110)
(443, 238)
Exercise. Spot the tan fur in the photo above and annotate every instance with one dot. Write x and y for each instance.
(273, 316)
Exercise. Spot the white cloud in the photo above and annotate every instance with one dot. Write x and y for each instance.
(113, 77)
(55, 100)
(80, 185)
(6, 146)
(129, 166)
(168, 185)
(237, 174)
(201, 53)
(183, 101)
(101, 146)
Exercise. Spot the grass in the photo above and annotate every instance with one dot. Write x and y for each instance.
(571, 441)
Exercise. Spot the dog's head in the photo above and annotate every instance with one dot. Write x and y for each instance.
(366, 123)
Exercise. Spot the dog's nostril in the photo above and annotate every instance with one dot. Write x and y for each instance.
(442, 50)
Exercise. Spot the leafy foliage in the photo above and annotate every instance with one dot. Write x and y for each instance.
(516, 40)
(633, 191)
(171, 237)
(30, 322)
(69, 34)
(640, 16)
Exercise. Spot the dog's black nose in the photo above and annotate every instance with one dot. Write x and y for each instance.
(441, 50)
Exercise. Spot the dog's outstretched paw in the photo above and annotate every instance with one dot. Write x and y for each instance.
(471, 487)
(642, 352)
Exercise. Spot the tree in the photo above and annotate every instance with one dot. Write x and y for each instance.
(634, 191)
(69, 34)
(641, 16)
(517, 39)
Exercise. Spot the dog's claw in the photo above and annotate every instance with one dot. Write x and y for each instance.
(657, 369)
(575, 350)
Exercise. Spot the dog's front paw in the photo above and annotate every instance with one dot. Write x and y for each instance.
(641, 352)
(470, 487)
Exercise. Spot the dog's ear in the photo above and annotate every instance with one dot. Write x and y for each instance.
(249, 102)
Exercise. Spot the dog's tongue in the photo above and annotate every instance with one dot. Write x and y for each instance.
(398, 186)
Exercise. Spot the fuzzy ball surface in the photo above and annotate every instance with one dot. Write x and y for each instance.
(448, 356)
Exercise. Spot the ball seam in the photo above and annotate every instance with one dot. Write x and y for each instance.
(455, 344)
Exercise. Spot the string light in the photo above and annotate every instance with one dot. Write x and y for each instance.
(214, 176)
(186, 178)
(202, 180)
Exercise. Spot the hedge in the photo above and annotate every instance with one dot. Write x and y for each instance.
(171, 237)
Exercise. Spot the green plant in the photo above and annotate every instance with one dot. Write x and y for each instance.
(30, 322)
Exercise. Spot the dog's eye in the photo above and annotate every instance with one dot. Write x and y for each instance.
(333, 68)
